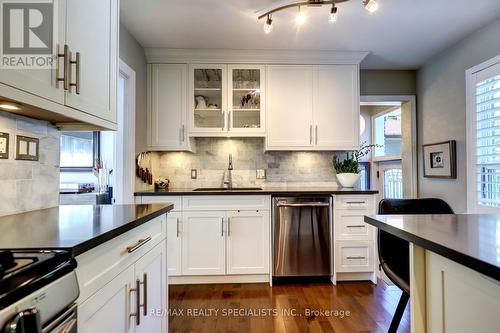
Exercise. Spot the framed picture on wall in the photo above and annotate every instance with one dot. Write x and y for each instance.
(440, 160)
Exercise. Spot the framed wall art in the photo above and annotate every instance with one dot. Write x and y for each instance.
(440, 160)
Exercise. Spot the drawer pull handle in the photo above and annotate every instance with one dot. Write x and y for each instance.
(356, 257)
(178, 231)
(140, 243)
(356, 226)
(356, 202)
(304, 204)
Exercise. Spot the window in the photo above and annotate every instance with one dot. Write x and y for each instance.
(79, 150)
(483, 140)
(393, 183)
(365, 181)
(387, 134)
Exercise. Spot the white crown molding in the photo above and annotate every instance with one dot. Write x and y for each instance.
(232, 56)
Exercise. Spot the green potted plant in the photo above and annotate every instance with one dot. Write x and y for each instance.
(348, 171)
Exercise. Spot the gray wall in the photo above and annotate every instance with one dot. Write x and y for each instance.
(388, 82)
(27, 185)
(441, 107)
(132, 53)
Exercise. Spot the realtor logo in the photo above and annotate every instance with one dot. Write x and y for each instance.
(27, 34)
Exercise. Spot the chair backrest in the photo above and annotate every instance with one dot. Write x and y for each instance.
(394, 252)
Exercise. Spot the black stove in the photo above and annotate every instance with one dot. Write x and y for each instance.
(23, 272)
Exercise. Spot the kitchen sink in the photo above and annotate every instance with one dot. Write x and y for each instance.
(210, 189)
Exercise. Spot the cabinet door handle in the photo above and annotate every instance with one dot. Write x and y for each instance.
(183, 129)
(356, 226)
(228, 227)
(178, 231)
(222, 227)
(77, 81)
(64, 78)
(137, 291)
(228, 120)
(311, 134)
(222, 120)
(139, 243)
(316, 134)
(145, 297)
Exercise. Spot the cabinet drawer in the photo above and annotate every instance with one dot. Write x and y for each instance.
(351, 225)
(226, 202)
(100, 265)
(356, 256)
(354, 202)
(177, 201)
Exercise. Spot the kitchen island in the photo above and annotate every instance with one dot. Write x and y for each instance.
(454, 270)
(120, 252)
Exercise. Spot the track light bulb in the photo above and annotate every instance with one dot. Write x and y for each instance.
(370, 5)
(268, 26)
(300, 19)
(333, 14)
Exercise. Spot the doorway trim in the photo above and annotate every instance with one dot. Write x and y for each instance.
(125, 140)
(413, 162)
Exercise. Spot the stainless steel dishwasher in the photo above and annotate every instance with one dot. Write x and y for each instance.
(302, 236)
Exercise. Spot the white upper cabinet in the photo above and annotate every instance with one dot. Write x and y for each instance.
(246, 101)
(208, 100)
(92, 31)
(167, 107)
(42, 82)
(312, 107)
(226, 100)
(289, 107)
(82, 86)
(336, 107)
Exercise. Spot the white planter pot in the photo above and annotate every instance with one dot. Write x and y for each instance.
(348, 179)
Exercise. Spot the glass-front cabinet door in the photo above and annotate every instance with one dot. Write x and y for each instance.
(246, 99)
(208, 98)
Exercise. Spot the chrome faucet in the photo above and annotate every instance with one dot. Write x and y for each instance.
(229, 181)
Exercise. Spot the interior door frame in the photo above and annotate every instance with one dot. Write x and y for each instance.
(411, 161)
(125, 144)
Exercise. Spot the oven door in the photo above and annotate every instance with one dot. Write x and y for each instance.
(66, 322)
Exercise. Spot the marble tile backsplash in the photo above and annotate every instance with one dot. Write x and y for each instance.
(27, 185)
(293, 169)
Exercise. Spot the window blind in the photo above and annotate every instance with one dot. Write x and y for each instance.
(488, 141)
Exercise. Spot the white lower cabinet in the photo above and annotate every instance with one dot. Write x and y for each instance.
(108, 310)
(123, 283)
(248, 240)
(174, 244)
(203, 243)
(355, 245)
(151, 276)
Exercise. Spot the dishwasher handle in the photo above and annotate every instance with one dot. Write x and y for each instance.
(304, 204)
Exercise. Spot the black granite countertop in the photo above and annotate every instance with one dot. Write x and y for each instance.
(73, 228)
(265, 190)
(471, 240)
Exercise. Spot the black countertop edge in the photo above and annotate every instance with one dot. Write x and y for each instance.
(103, 238)
(482, 267)
(258, 192)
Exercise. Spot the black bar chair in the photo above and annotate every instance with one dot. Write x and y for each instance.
(394, 252)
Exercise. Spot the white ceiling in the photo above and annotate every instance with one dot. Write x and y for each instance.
(402, 34)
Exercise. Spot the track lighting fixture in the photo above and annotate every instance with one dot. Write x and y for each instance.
(300, 19)
(370, 5)
(268, 26)
(333, 14)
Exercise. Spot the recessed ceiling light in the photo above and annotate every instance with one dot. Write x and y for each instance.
(9, 106)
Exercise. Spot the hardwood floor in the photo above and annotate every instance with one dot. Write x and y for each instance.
(284, 308)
